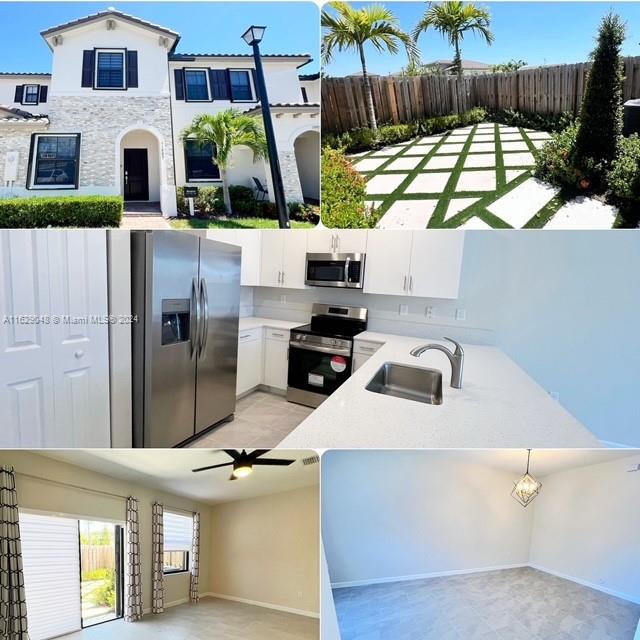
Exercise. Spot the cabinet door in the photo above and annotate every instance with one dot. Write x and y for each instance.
(387, 263)
(352, 240)
(249, 365)
(294, 257)
(272, 244)
(358, 360)
(436, 263)
(276, 363)
(249, 240)
(322, 241)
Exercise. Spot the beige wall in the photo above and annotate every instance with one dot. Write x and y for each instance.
(44, 496)
(266, 549)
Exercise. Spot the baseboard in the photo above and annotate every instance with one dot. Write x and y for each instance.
(423, 576)
(267, 605)
(168, 605)
(591, 585)
(616, 445)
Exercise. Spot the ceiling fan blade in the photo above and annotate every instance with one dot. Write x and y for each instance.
(232, 453)
(257, 453)
(213, 466)
(273, 462)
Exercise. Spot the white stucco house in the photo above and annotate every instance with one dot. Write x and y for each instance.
(108, 118)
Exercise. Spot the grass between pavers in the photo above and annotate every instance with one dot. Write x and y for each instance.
(237, 223)
(484, 198)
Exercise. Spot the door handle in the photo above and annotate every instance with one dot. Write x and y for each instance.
(195, 317)
(204, 303)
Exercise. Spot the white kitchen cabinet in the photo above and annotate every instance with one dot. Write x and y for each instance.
(54, 376)
(337, 241)
(424, 264)
(250, 360)
(276, 358)
(388, 262)
(250, 242)
(282, 260)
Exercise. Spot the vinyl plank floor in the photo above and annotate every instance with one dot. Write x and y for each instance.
(210, 619)
(511, 604)
(262, 420)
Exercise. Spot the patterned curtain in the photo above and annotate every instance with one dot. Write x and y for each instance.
(194, 596)
(157, 562)
(13, 608)
(134, 586)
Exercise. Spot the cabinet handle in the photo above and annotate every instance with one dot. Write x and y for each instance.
(78, 354)
(362, 348)
(279, 274)
(280, 335)
(283, 277)
(337, 243)
(404, 286)
(248, 335)
(410, 283)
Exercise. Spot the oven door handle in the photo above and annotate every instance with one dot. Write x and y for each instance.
(337, 351)
(347, 261)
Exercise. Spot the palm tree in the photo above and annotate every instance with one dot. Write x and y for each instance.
(452, 20)
(350, 29)
(224, 131)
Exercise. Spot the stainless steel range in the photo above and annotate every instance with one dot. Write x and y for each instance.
(320, 353)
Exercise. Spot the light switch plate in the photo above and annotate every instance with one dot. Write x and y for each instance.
(430, 313)
(461, 314)
(404, 309)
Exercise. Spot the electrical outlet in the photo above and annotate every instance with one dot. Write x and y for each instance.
(404, 309)
(555, 395)
(430, 313)
(300, 595)
(461, 314)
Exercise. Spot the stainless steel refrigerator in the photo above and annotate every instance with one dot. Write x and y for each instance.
(186, 296)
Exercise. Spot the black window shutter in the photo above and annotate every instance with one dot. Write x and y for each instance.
(178, 75)
(254, 76)
(88, 63)
(132, 69)
(19, 91)
(219, 84)
(43, 92)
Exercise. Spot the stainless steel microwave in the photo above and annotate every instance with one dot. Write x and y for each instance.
(335, 270)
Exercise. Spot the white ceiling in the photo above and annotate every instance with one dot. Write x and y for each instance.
(544, 462)
(170, 470)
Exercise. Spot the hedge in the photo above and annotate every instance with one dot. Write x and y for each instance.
(65, 211)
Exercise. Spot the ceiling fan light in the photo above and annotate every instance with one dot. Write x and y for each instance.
(526, 489)
(242, 470)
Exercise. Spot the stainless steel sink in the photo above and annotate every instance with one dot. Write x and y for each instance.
(408, 382)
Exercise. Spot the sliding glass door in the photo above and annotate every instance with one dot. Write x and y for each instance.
(100, 571)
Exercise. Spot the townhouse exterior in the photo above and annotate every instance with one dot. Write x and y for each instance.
(108, 118)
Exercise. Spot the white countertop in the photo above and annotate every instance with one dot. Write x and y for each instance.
(256, 323)
(499, 405)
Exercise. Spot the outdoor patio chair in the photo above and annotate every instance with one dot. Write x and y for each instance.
(261, 191)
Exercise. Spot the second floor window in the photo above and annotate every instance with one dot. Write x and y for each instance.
(240, 85)
(196, 84)
(30, 95)
(110, 70)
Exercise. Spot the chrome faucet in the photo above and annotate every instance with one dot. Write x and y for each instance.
(456, 358)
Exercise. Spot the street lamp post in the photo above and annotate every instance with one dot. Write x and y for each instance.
(253, 36)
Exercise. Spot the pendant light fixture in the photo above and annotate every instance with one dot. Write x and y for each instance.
(527, 488)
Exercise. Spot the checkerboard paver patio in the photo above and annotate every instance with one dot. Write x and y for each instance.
(476, 177)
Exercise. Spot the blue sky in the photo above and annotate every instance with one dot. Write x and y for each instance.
(211, 27)
(537, 32)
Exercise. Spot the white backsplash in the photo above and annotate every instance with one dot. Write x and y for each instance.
(246, 302)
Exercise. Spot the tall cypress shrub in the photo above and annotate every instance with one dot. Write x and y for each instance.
(601, 112)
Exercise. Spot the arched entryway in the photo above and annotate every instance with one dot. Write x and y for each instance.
(307, 150)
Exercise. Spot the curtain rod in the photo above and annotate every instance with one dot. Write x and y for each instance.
(98, 491)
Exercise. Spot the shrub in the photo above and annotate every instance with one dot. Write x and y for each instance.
(268, 210)
(601, 111)
(540, 121)
(105, 594)
(304, 212)
(210, 201)
(343, 193)
(243, 200)
(65, 211)
(555, 161)
(624, 178)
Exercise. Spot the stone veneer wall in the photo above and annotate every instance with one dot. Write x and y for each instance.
(17, 138)
(290, 176)
(101, 120)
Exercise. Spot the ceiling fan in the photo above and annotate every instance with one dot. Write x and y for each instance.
(243, 462)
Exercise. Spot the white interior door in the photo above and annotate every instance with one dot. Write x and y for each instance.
(386, 269)
(26, 349)
(51, 561)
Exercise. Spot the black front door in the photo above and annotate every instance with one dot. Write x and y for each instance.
(136, 174)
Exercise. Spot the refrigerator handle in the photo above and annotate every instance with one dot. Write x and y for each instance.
(204, 305)
(194, 330)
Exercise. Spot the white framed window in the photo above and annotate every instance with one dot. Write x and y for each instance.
(196, 85)
(55, 161)
(110, 69)
(30, 94)
(178, 539)
(241, 85)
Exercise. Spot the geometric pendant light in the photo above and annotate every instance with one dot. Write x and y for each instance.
(527, 488)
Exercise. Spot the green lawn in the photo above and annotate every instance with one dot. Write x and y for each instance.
(239, 223)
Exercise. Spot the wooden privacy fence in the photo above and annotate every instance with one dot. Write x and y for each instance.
(547, 90)
(94, 557)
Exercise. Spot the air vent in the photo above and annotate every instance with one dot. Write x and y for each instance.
(310, 460)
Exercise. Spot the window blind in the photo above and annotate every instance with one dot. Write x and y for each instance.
(50, 558)
(178, 531)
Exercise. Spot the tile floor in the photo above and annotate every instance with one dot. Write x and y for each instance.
(485, 164)
(210, 619)
(262, 420)
(513, 604)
